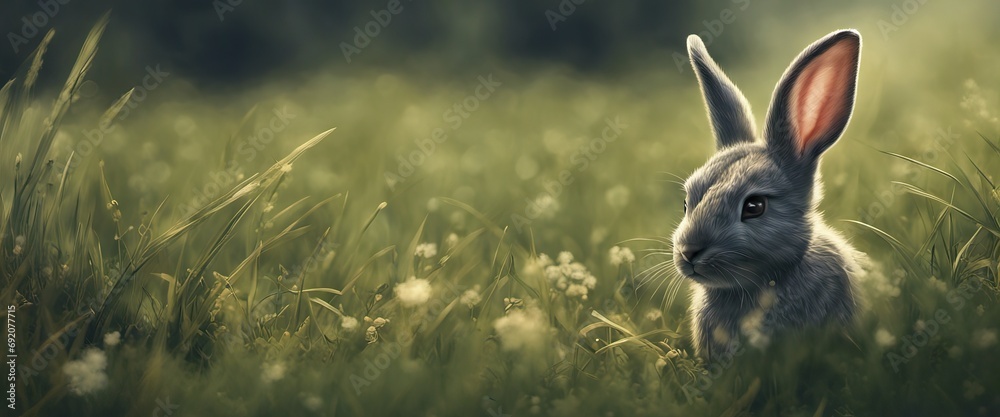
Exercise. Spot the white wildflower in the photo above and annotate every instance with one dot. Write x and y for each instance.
(536, 405)
(621, 255)
(272, 372)
(413, 292)
(873, 277)
(286, 168)
(433, 204)
(654, 314)
(86, 375)
(536, 266)
(576, 290)
(451, 240)
(752, 325)
(984, 338)
(617, 196)
(954, 352)
(568, 276)
(379, 322)
(565, 258)
(19, 245)
(426, 250)
(883, 338)
(973, 389)
(546, 206)
(523, 329)
(349, 323)
(471, 297)
(312, 402)
(112, 339)
(939, 284)
(976, 102)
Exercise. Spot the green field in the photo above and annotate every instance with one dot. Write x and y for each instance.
(168, 252)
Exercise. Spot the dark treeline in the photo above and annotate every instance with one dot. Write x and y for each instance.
(230, 42)
(233, 43)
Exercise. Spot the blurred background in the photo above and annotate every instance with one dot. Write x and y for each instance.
(517, 96)
(218, 72)
(565, 67)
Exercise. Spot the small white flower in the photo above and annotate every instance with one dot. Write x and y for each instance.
(576, 290)
(451, 240)
(883, 338)
(379, 322)
(954, 352)
(568, 276)
(621, 256)
(973, 389)
(349, 323)
(617, 196)
(426, 250)
(654, 314)
(546, 206)
(565, 258)
(523, 329)
(312, 402)
(271, 372)
(471, 297)
(286, 168)
(413, 292)
(939, 284)
(112, 339)
(984, 338)
(18, 245)
(86, 375)
(553, 273)
(536, 266)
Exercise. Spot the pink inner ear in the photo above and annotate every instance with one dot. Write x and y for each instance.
(820, 96)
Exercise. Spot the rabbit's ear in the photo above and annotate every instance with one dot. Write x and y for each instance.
(732, 121)
(815, 97)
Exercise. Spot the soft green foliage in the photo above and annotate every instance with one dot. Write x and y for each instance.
(299, 281)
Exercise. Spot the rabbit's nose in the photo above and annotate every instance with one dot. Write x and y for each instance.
(690, 253)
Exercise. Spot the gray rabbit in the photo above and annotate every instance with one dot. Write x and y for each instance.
(761, 257)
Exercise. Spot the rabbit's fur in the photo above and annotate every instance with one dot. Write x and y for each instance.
(784, 269)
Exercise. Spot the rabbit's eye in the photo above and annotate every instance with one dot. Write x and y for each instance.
(753, 207)
(685, 207)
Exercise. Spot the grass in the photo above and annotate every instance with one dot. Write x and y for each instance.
(259, 300)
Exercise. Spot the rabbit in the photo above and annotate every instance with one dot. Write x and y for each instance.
(760, 256)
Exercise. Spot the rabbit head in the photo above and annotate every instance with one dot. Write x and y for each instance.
(750, 211)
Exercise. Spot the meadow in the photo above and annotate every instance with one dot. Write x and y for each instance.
(379, 242)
